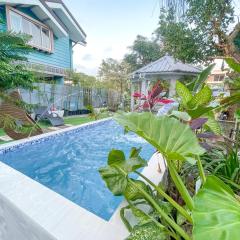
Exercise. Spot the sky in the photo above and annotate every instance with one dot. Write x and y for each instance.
(111, 27)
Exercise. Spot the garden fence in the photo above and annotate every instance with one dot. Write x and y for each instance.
(69, 97)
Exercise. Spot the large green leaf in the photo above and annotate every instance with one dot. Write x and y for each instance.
(233, 64)
(181, 115)
(199, 111)
(183, 93)
(216, 213)
(231, 100)
(203, 97)
(237, 115)
(132, 193)
(202, 77)
(212, 123)
(173, 139)
(115, 180)
(116, 157)
(115, 174)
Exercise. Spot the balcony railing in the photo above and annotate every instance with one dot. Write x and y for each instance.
(45, 69)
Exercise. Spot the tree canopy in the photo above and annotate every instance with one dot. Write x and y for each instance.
(114, 74)
(142, 52)
(14, 48)
(202, 31)
(84, 80)
(182, 42)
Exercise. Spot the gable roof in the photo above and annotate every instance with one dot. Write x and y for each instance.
(68, 11)
(41, 11)
(58, 18)
(168, 65)
(63, 14)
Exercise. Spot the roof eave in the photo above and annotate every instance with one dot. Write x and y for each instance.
(75, 31)
(136, 75)
(41, 10)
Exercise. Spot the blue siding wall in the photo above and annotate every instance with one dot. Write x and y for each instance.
(3, 25)
(60, 58)
(62, 54)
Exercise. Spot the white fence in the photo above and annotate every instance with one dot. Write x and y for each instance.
(70, 98)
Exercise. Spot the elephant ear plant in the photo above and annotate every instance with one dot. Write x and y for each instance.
(212, 214)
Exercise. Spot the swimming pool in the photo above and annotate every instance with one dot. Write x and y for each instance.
(68, 163)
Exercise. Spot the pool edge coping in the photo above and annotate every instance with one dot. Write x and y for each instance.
(24, 141)
(111, 227)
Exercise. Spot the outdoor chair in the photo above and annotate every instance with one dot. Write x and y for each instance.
(43, 113)
(22, 119)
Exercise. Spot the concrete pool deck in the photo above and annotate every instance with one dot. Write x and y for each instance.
(29, 210)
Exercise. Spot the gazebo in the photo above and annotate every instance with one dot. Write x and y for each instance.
(166, 68)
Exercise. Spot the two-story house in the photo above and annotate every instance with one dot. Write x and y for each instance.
(54, 32)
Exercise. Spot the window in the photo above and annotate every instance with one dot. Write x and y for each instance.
(218, 78)
(42, 37)
(16, 23)
(36, 35)
(46, 38)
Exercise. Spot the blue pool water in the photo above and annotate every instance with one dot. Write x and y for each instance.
(69, 163)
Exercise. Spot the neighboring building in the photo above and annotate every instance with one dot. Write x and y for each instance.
(54, 32)
(217, 79)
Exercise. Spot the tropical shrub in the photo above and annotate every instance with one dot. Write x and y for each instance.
(198, 104)
(222, 162)
(13, 74)
(149, 101)
(202, 216)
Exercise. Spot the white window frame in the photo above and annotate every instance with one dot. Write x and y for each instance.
(219, 78)
(32, 20)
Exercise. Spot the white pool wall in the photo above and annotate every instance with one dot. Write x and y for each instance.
(31, 211)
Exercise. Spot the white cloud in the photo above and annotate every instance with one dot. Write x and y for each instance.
(88, 59)
(108, 50)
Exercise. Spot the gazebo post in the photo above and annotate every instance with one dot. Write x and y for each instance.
(132, 98)
(144, 87)
(172, 87)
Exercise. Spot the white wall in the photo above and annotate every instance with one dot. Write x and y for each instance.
(15, 225)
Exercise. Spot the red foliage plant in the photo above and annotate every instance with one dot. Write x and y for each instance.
(152, 98)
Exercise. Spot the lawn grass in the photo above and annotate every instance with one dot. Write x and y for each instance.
(77, 120)
(44, 124)
(68, 120)
(2, 133)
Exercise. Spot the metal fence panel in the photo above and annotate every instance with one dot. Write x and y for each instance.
(69, 97)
